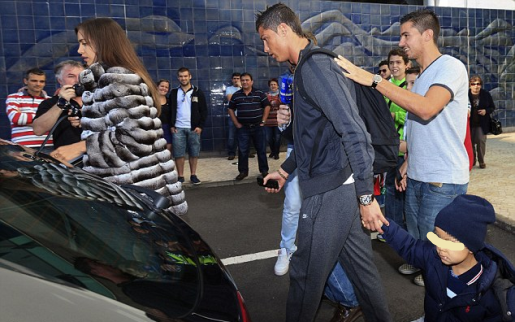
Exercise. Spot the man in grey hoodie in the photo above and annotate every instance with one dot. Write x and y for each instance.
(333, 157)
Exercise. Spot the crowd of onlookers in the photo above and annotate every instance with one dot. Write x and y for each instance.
(123, 126)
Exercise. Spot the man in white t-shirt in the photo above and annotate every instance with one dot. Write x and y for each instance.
(437, 114)
(188, 114)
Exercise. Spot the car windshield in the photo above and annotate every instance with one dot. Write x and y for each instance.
(62, 223)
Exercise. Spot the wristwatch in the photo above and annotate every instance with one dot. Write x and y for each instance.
(262, 122)
(62, 103)
(376, 80)
(366, 200)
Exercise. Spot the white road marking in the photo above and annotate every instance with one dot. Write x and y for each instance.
(263, 255)
(250, 257)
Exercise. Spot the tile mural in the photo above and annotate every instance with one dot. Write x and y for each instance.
(215, 38)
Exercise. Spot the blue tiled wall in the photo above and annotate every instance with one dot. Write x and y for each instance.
(214, 38)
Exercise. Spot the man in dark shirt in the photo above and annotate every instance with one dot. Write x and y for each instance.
(67, 138)
(253, 108)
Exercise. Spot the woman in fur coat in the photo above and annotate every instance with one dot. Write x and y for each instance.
(123, 133)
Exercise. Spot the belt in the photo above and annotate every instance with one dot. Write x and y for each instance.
(252, 125)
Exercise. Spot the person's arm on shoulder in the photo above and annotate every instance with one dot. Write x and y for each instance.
(425, 107)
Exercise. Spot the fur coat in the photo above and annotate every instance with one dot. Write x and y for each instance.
(124, 137)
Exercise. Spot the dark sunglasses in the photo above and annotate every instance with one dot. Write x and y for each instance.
(475, 84)
(383, 70)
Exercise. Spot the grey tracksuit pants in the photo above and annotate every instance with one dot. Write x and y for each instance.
(330, 230)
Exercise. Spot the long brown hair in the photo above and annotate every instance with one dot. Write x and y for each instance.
(113, 48)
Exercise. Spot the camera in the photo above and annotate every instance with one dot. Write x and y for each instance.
(79, 89)
(70, 105)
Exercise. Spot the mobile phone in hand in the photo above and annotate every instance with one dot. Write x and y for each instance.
(271, 183)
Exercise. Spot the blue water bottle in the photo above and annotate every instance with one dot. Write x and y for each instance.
(285, 89)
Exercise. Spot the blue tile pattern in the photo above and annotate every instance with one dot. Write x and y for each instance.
(217, 37)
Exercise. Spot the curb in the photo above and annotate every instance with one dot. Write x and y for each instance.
(213, 184)
(505, 224)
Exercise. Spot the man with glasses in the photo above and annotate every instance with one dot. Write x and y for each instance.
(384, 70)
(252, 107)
(188, 115)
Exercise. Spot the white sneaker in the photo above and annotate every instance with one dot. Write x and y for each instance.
(419, 280)
(283, 262)
(408, 269)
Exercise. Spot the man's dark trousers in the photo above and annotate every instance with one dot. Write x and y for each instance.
(256, 133)
(330, 230)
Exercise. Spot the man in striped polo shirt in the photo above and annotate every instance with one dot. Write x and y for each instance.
(253, 108)
(21, 109)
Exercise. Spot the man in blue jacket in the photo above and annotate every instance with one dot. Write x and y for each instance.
(188, 114)
(333, 157)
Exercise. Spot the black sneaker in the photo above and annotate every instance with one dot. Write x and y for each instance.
(181, 179)
(241, 176)
(195, 180)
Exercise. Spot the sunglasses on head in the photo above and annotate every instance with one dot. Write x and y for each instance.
(475, 84)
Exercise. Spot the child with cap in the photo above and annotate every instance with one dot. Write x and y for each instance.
(462, 277)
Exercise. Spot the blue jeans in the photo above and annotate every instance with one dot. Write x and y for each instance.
(273, 137)
(424, 201)
(394, 199)
(291, 209)
(232, 141)
(338, 288)
(257, 135)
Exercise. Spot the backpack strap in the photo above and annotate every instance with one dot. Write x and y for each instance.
(300, 83)
(401, 85)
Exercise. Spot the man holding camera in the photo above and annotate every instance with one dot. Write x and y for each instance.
(66, 102)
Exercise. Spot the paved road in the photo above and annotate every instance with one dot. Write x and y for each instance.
(242, 219)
